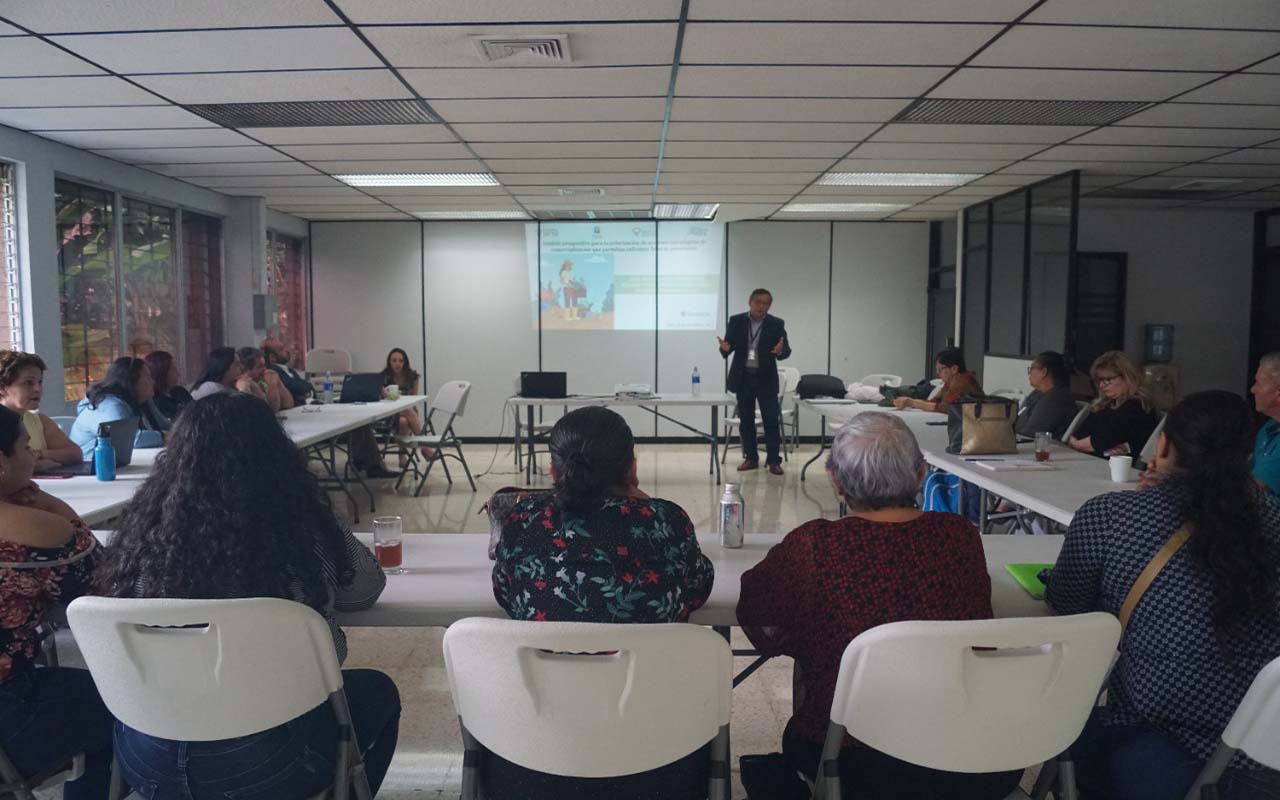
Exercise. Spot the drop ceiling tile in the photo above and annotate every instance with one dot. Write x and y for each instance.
(734, 212)
(255, 169)
(425, 193)
(745, 165)
(1191, 137)
(1117, 152)
(351, 134)
(976, 191)
(559, 131)
(832, 43)
(153, 137)
(299, 194)
(733, 189)
(192, 155)
(83, 91)
(915, 10)
(1007, 134)
(389, 214)
(270, 182)
(457, 11)
(28, 56)
(572, 164)
(1253, 155)
(640, 199)
(773, 81)
(1127, 48)
(499, 198)
(471, 83)
(1243, 203)
(59, 16)
(714, 178)
(625, 109)
(921, 216)
(397, 166)
(705, 197)
(918, 192)
(856, 164)
(1051, 168)
(567, 149)
(936, 150)
(1207, 115)
(1188, 13)
(691, 109)
(523, 192)
(590, 45)
(100, 118)
(1176, 181)
(612, 178)
(1002, 181)
(223, 51)
(265, 87)
(9, 30)
(845, 132)
(870, 196)
(355, 201)
(1271, 65)
(1066, 84)
(340, 152)
(828, 150)
(1244, 88)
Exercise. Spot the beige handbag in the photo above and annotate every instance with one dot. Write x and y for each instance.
(982, 426)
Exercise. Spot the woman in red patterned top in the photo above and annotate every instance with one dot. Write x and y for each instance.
(47, 714)
(830, 580)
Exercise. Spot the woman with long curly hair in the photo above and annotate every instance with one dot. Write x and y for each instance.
(230, 511)
(1204, 627)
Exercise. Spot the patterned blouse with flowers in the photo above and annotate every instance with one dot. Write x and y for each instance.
(32, 580)
(627, 560)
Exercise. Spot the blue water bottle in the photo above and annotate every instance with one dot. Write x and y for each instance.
(104, 455)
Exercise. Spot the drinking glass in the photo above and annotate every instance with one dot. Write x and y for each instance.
(1043, 438)
(387, 545)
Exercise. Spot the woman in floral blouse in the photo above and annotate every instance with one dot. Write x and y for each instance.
(597, 549)
(47, 554)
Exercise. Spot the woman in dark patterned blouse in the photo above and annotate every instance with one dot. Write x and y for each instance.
(597, 549)
(830, 580)
(47, 714)
(1205, 626)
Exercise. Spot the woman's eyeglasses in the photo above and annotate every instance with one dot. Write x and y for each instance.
(1106, 380)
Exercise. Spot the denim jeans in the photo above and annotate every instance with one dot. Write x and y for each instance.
(1143, 763)
(48, 715)
(292, 761)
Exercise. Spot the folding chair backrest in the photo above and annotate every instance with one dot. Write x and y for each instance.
(1255, 727)
(789, 378)
(1149, 449)
(64, 423)
(974, 696)
(203, 670)
(1076, 420)
(328, 359)
(881, 379)
(588, 700)
(452, 397)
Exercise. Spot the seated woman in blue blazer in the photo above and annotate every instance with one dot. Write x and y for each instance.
(121, 394)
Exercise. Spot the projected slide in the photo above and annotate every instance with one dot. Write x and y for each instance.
(603, 276)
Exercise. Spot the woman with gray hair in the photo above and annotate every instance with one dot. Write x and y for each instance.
(829, 580)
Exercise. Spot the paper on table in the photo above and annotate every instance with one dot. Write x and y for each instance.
(1015, 465)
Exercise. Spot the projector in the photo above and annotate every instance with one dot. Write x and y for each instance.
(632, 390)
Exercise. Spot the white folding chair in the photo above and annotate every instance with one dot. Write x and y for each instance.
(970, 696)
(1254, 729)
(788, 380)
(451, 400)
(1149, 449)
(1076, 420)
(327, 359)
(205, 670)
(588, 700)
(64, 423)
(881, 379)
(16, 786)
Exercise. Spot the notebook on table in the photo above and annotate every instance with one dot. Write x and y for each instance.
(1028, 577)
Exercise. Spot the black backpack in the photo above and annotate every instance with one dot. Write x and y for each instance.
(812, 386)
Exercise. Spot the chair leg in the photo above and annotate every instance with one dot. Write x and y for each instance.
(116, 791)
(1067, 789)
(719, 786)
(471, 755)
(466, 469)
(827, 785)
(1045, 780)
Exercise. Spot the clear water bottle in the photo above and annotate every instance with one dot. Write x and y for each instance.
(104, 455)
(328, 387)
(697, 382)
(733, 514)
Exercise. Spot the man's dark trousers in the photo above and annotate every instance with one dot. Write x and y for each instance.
(756, 388)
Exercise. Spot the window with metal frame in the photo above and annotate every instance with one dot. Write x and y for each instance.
(10, 278)
(88, 283)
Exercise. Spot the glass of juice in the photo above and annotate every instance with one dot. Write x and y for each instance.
(1043, 438)
(387, 545)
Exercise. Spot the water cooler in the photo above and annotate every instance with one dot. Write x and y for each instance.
(1158, 371)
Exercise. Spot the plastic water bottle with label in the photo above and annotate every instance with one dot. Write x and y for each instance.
(733, 514)
(697, 382)
(328, 387)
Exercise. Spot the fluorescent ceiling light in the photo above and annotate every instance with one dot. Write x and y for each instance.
(897, 178)
(843, 208)
(421, 179)
(685, 210)
(472, 215)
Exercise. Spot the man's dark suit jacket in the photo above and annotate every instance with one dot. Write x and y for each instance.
(299, 388)
(737, 334)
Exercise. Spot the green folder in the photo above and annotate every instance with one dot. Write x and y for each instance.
(1028, 577)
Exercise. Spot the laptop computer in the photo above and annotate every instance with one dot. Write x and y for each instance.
(362, 387)
(544, 384)
(123, 432)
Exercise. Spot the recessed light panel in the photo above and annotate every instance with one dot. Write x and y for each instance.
(897, 178)
(472, 215)
(685, 210)
(842, 208)
(421, 179)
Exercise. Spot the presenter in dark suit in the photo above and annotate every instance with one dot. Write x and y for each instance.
(757, 341)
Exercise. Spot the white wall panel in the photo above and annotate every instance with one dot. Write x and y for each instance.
(679, 351)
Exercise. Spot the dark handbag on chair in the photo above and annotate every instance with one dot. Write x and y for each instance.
(982, 426)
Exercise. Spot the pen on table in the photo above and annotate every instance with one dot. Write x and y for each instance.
(971, 460)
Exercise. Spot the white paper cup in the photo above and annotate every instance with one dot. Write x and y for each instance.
(1120, 467)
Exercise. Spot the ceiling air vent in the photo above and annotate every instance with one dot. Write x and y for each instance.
(1018, 112)
(570, 191)
(315, 112)
(530, 50)
(1205, 185)
(613, 213)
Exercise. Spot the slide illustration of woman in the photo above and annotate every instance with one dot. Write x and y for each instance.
(573, 289)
